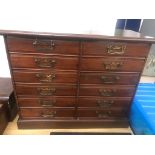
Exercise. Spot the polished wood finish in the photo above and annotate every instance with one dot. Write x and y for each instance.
(107, 91)
(28, 45)
(104, 102)
(112, 64)
(63, 80)
(45, 90)
(44, 76)
(69, 36)
(109, 78)
(69, 123)
(38, 62)
(101, 48)
(102, 113)
(47, 101)
(46, 113)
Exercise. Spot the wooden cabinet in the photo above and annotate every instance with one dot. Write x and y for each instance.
(67, 81)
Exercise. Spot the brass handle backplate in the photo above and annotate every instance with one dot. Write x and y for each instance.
(47, 103)
(107, 92)
(116, 49)
(103, 114)
(46, 91)
(45, 62)
(105, 103)
(48, 114)
(112, 65)
(109, 79)
(45, 77)
(43, 45)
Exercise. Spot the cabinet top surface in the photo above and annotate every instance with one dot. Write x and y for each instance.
(76, 36)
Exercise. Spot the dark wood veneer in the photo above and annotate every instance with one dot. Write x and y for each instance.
(45, 76)
(74, 80)
(38, 62)
(17, 44)
(101, 48)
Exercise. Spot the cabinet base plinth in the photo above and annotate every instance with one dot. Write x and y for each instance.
(71, 124)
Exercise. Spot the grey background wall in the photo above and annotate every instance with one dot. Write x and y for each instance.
(148, 29)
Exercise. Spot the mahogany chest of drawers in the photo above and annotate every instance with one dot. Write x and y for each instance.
(67, 80)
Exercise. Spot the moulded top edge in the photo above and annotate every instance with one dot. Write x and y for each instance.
(77, 36)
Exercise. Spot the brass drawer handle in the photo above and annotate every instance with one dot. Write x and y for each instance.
(46, 91)
(45, 62)
(43, 45)
(103, 114)
(107, 92)
(104, 103)
(112, 65)
(47, 103)
(116, 49)
(111, 79)
(48, 114)
(45, 77)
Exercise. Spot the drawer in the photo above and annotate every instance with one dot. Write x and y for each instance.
(45, 90)
(37, 62)
(107, 91)
(102, 114)
(104, 102)
(47, 102)
(48, 113)
(108, 48)
(44, 76)
(109, 78)
(112, 64)
(42, 45)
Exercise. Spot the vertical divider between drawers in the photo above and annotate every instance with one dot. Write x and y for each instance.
(78, 79)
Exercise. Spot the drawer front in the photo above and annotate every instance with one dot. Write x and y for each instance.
(48, 62)
(102, 114)
(47, 102)
(44, 76)
(112, 91)
(18, 44)
(38, 90)
(104, 102)
(112, 64)
(105, 48)
(47, 113)
(109, 78)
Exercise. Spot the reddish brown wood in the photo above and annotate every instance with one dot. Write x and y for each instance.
(19, 44)
(67, 36)
(95, 77)
(44, 76)
(47, 102)
(46, 113)
(109, 78)
(107, 91)
(72, 124)
(126, 64)
(104, 102)
(101, 48)
(45, 90)
(102, 113)
(67, 63)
